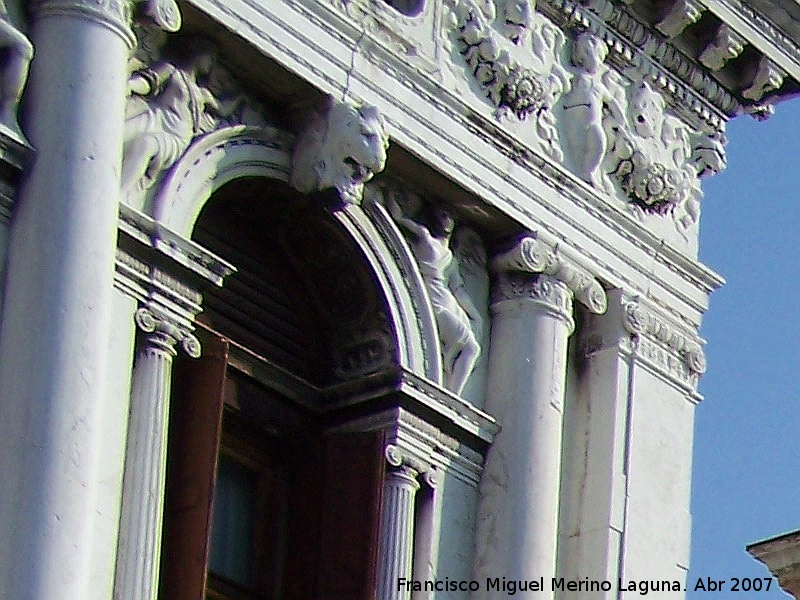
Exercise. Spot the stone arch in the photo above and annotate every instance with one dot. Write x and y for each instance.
(241, 151)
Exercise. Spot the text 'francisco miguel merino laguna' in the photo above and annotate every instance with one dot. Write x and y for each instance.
(512, 586)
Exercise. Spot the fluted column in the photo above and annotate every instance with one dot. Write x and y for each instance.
(146, 456)
(532, 304)
(396, 547)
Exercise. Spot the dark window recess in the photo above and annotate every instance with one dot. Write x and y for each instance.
(254, 512)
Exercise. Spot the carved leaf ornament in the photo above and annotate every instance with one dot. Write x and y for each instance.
(507, 83)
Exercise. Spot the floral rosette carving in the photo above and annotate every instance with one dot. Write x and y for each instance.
(523, 93)
(651, 185)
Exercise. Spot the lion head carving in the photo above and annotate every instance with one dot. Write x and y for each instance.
(342, 147)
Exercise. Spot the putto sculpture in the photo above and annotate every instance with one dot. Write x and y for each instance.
(457, 317)
(592, 96)
(343, 146)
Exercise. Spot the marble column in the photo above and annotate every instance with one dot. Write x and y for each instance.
(146, 456)
(56, 316)
(396, 546)
(532, 305)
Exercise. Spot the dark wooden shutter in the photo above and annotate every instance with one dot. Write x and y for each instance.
(352, 492)
(194, 437)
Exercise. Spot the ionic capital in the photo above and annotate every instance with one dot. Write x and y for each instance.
(163, 334)
(533, 256)
(411, 466)
(117, 15)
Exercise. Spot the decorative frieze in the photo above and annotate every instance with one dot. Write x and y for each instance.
(342, 147)
(635, 47)
(677, 353)
(513, 53)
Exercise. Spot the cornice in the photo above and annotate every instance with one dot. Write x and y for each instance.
(761, 32)
(462, 414)
(416, 443)
(160, 292)
(167, 243)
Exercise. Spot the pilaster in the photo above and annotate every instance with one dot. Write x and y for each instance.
(532, 320)
(146, 455)
(596, 444)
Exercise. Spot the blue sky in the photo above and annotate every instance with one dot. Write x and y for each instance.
(746, 459)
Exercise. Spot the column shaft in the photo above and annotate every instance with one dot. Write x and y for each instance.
(56, 315)
(519, 492)
(145, 469)
(396, 546)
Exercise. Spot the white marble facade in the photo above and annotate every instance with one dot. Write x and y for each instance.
(490, 209)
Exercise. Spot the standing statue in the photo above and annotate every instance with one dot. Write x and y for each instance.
(18, 54)
(585, 107)
(457, 318)
(170, 107)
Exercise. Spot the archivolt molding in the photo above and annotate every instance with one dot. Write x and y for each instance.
(417, 304)
(214, 160)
